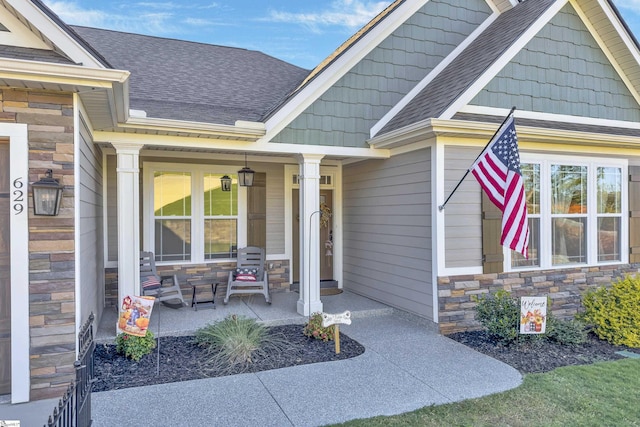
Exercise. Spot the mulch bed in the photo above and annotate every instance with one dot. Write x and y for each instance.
(542, 356)
(181, 359)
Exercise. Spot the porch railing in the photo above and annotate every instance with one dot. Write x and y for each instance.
(74, 408)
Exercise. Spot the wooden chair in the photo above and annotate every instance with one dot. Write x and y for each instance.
(165, 289)
(250, 276)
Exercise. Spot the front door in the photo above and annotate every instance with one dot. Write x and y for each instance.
(326, 235)
(5, 272)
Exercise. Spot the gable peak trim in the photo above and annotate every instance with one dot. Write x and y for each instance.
(305, 95)
(503, 59)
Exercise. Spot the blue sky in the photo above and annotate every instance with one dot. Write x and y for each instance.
(302, 32)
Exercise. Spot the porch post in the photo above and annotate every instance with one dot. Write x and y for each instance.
(309, 301)
(128, 172)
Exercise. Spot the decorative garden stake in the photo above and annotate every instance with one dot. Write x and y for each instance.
(336, 319)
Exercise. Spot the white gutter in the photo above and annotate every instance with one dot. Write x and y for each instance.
(253, 130)
(61, 73)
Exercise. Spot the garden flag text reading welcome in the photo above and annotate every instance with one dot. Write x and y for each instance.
(497, 169)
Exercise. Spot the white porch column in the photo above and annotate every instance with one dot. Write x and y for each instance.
(309, 301)
(128, 172)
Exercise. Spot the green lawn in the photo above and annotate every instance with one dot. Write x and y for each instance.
(602, 394)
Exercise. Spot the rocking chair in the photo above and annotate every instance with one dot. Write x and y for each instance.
(250, 276)
(165, 289)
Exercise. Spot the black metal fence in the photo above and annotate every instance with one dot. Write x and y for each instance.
(74, 409)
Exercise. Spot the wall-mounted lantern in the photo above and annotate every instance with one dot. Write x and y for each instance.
(245, 175)
(225, 183)
(47, 195)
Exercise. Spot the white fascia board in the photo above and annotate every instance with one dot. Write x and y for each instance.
(340, 66)
(416, 131)
(622, 32)
(235, 145)
(241, 129)
(19, 34)
(624, 36)
(432, 75)
(61, 73)
(506, 57)
(55, 33)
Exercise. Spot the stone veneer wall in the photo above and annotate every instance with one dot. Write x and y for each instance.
(565, 288)
(49, 117)
(218, 272)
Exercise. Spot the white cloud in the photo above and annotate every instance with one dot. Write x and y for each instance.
(632, 5)
(71, 13)
(158, 23)
(351, 14)
(158, 5)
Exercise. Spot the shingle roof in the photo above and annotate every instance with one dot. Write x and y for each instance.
(30, 54)
(447, 86)
(181, 80)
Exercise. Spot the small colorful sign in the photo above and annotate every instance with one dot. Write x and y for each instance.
(533, 315)
(134, 316)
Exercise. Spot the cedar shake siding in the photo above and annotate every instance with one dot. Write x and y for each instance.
(345, 113)
(546, 76)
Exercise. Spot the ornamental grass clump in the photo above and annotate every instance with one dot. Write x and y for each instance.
(135, 347)
(615, 312)
(314, 329)
(234, 343)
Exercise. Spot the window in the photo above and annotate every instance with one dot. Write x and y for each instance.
(188, 216)
(575, 212)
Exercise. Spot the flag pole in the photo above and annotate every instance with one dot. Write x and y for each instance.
(441, 207)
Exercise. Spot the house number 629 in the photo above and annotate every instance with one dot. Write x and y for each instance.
(18, 196)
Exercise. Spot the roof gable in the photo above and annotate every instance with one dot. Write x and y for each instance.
(344, 114)
(562, 70)
(469, 65)
(448, 93)
(33, 25)
(17, 33)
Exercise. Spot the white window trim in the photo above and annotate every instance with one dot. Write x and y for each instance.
(197, 207)
(592, 163)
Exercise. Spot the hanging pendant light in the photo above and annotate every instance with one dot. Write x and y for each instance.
(245, 175)
(225, 183)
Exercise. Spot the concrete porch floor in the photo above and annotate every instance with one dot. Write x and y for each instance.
(167, 321)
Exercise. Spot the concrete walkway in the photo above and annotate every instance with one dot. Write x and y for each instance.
(406, 366)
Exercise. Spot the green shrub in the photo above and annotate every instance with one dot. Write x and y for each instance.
(499, 313)
(236, 341)
(615, 312)
(314, 329)
(566, 332)
(135, 347)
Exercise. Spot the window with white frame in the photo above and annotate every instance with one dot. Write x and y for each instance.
(575, 208)
(188, 218)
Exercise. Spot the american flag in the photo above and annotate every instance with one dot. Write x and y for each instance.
(497, 169)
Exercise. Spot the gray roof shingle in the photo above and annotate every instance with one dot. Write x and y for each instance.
(447, 86)
(30, 54)
(182, 80)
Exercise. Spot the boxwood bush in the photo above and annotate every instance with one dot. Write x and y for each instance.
(615, 312)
